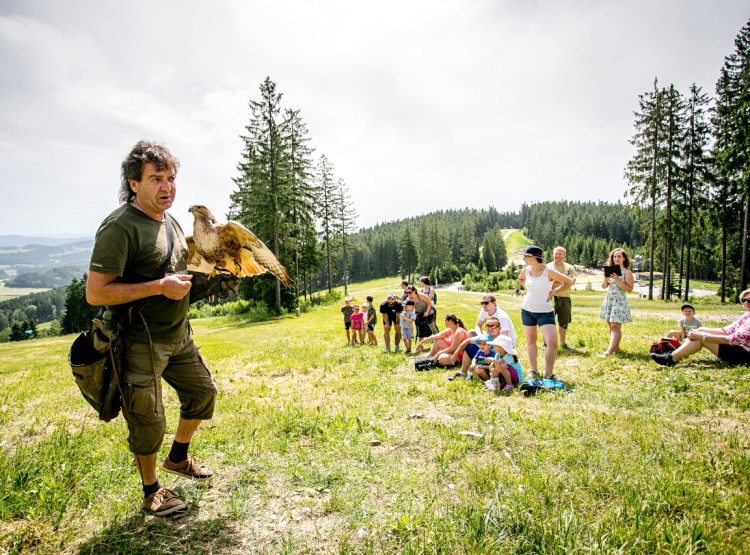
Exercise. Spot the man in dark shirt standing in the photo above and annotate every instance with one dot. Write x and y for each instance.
(139, 271)
(390, 310)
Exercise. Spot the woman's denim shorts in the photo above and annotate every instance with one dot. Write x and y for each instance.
(537, 318)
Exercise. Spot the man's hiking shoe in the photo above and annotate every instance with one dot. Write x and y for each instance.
(188, 469)
(163, 502)
(665, 359)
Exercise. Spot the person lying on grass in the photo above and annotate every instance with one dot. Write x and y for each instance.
(445, 343)
(730, 343)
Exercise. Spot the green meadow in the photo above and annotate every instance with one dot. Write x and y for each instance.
(323, 448)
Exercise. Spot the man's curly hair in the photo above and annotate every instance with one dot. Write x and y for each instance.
(143, 153)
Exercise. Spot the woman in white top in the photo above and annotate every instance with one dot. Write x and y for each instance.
(537, 309)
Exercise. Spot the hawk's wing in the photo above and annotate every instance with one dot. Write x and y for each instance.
(256, 256)
(196, 262)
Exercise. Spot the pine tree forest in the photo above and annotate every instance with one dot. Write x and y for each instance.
(685, 213)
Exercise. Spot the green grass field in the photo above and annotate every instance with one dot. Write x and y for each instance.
(634, 459)
(13, 292)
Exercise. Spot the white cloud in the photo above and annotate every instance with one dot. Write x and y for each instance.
(419, 105)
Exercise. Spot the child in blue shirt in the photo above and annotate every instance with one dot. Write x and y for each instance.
(407, 324)
(480, 364)
(505, 367)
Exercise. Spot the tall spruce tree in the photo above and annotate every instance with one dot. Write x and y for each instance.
(303, 197)
(78, 313)
(346, 216)
(327, 214)
(645, 170)
(674, 114)
(695, 175)
(733, 133)
(264, 192)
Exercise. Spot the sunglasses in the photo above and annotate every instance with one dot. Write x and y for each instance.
(486, 302)
(745, 300)
(492, 326)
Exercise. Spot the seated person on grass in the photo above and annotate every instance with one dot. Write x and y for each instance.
(505, 370)
(687, 323)
(445, 343)
(730, 343)
(480, 364)
(469, 348)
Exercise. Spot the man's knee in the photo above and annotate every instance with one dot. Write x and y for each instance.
(145, 432)
(199, 405)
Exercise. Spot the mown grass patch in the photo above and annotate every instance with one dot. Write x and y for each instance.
(635, 458)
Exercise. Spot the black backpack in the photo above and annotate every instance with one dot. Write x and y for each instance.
(423, 363)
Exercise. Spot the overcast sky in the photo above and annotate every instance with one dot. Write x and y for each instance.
(419, 105)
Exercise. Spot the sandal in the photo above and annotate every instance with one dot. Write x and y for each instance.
(508, 388)
(554, 377)
(533, 375)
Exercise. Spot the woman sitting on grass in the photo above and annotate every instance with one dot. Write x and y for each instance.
(730, 343)
(447, 341)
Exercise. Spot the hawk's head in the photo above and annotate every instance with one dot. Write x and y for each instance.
(202, 213)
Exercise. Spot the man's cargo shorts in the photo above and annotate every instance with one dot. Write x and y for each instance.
(183, 368)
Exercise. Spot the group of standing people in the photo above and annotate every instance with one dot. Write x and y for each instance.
(411, 316)
(546, 310)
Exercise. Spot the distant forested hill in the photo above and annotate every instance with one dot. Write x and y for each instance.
(453, 238)
(55, 277)
(18, 241)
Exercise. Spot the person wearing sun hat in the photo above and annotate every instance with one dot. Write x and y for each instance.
(505, 365)
(537, 309)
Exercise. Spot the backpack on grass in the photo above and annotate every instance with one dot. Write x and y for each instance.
(664, 345)
(423, 363)
(532, 387)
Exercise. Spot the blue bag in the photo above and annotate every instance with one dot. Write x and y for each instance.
(531, 387)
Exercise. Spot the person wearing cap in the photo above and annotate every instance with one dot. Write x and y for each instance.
(537, 309)
(480, 364)
(407, 324)
(390, 310)
(491, 310)
(561, 291)
(469, 347)
(370, 320)
(347, 311)
(505, 367)
(686, 324)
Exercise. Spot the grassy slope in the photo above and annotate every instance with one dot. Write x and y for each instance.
(637, 458)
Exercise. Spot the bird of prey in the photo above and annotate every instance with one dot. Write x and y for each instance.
(229, 247)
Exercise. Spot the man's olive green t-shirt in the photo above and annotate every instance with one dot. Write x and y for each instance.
(133, 246)
(566, 270)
